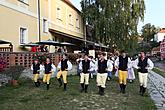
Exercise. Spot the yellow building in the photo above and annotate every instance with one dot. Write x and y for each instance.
(59, 21)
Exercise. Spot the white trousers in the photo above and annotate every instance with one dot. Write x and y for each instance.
(84, 78)
(101, 79)
(143, 79)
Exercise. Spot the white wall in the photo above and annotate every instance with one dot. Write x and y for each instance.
(159, 37)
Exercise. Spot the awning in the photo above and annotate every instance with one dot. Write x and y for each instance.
(31, 44)
(67, 35)
(4, 42)
(49, 42)
(66, 44)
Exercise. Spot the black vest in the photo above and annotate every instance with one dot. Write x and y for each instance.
(102, 66)
(123, 63)
(142, 65)
(85, 66)
(36, 67)
(48, 68)
(64, 64)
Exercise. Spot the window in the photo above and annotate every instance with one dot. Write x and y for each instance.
(70, 19)
(45, 25)
(23, 35)
(77, 23)
(58, 14)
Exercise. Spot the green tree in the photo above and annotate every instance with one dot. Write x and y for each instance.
(148, 32)
(114, 21)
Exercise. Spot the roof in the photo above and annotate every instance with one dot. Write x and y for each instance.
(156, 48)
(71, 5)
(162, 30)
(4, 42)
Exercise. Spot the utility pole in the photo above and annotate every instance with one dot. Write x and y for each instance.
(39, 25)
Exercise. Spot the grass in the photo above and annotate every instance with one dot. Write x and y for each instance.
(27, 97)
(159, 71)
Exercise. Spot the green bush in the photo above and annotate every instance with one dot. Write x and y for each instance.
(14, 72)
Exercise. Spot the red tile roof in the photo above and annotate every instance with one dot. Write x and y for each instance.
(162, 31)
(156, 48)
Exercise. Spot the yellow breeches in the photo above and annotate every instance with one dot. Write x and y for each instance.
(123, 77)
(35, 77)
(64, 75)
(46, 78)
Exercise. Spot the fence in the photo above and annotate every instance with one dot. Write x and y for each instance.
(26, 58)
(6, 49)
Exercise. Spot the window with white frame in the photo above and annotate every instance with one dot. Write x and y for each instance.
(23, 35)
(77, 23)
(58, 13)
(70, 19)
(45, 25)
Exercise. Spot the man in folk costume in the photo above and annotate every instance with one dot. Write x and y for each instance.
(36, 69)
(143, 64)
(122, 63)
(64, 66)
(49, 68)
(85, 66)
(101, 73)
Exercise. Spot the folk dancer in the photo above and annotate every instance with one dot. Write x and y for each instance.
(143, 64)
(122, 63)
(64, 66)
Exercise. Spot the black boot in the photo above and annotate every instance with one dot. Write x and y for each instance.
(86, 87)
(36, 84)
(65, 86)
(141, 89)
(124, 86)
(99, 89)
(60, 82)
(47, 86)
(82, 87)
(121, 88)
(144, 90)
(102, 91)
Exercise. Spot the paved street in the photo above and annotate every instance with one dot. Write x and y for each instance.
(160, 65)
(156, 88)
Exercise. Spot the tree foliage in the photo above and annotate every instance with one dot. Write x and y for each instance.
(114, 22)
(149, 31)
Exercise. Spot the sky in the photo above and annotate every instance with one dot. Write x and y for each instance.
(154, 13)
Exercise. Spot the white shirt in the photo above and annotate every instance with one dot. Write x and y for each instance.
(91, 66)
(117, 63)
(110, 65)
(150, 65)
(68, 63)
(42, 67)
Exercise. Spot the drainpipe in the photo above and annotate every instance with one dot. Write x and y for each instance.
(39, 25)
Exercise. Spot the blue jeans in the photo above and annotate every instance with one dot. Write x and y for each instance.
(110, 74)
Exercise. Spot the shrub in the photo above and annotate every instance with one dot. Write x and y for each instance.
(3, 64)
(15, 71)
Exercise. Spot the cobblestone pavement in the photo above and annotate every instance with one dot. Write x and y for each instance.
(160, 65)
(156, 88)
